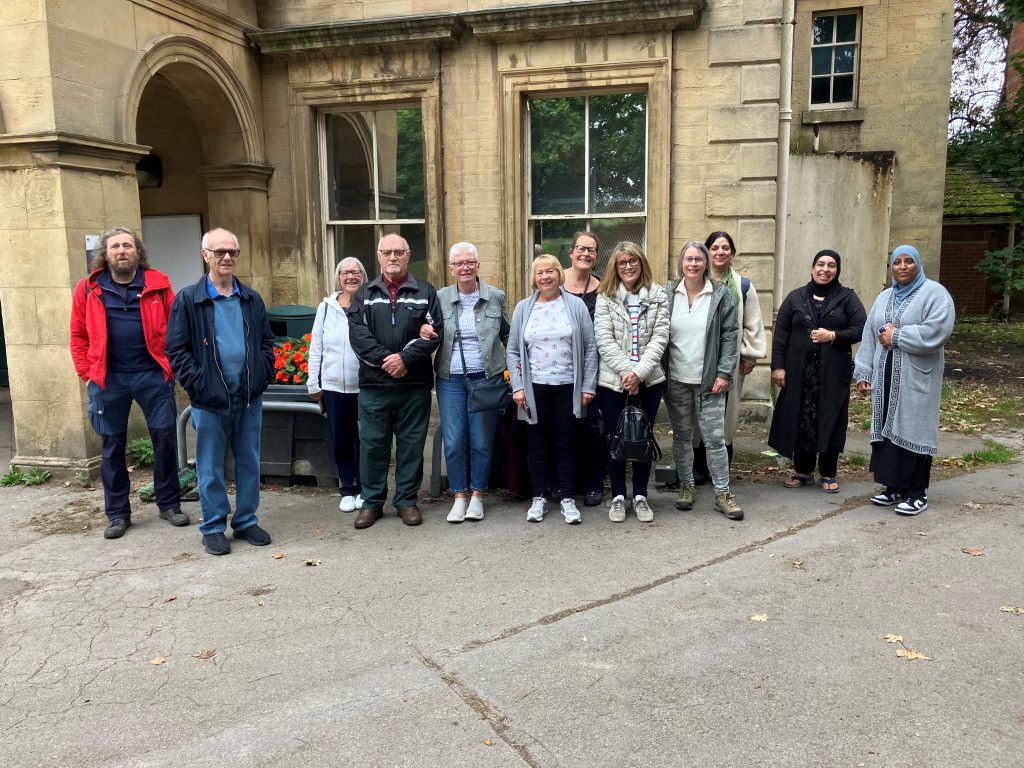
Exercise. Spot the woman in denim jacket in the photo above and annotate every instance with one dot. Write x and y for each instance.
(475, 332)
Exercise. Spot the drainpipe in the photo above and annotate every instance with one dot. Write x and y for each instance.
(785, 130)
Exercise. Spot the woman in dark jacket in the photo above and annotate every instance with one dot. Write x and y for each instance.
(812, 365)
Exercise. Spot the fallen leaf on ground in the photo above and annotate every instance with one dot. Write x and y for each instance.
(894, 638)
(921, 533)
(759, 617)
(311, 561)
(973, 551)
(171, 599)
(488, 742)
(262, 602)
(972, 505)
(318, 531)
(278, 555)
(1012, 609)
(910, 654)
(797, 564)
(207, 654)
(158, 660)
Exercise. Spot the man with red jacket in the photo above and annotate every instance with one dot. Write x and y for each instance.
(118, 334)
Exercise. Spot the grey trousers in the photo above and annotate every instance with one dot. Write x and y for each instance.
(686, 405)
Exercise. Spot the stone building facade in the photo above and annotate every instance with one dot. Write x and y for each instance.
(310, 127)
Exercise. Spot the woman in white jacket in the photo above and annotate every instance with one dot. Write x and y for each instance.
(334, 378)
(631, 325)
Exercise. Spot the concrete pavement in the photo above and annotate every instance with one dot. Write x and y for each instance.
(504, 643)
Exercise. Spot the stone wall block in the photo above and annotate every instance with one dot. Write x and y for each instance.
(758, 160)
(744, 45)
(762, 10)
(43, 200)
(21, 322)
(742, 198)
(754, 121)
(760, 82)
(754, 236)
(24, 49)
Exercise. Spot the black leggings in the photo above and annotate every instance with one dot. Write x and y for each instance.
(551, 446)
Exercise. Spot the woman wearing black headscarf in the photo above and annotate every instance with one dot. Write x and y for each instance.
(812, 365)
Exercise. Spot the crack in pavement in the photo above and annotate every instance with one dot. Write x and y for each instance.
(498, 721)
(557, 616)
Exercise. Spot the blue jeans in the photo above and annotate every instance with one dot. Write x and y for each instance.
(108, 414)
(240, 426)
(465, 435)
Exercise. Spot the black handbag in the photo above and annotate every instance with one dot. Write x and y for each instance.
(633, 439)
(485, 395)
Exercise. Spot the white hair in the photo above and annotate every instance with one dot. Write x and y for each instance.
(206, 238)
(462, 247)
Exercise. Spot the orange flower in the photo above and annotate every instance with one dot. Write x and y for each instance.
(307, 337)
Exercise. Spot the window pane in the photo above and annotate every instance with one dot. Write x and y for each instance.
(356, 241)
(820, 90)
(554, 236)
(842, 88)
(821, 61)
(409, 164)
(349, 172)
(618, 135)
(400, 163)
(822, 30)
(557, 161)
(844, 58)
(415, 235)
(846, 28)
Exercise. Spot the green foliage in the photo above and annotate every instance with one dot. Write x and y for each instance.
(81, 479)
(409, 164)
(34, 476)
(14, 477)
(37, 476)
(993, 453)
(1004, 269)
(140, 451)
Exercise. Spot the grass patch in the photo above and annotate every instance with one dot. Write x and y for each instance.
(140, 451)
(992, 453)
(34, 476)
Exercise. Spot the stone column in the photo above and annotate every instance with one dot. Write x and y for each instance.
(237, 196)
(55, 188)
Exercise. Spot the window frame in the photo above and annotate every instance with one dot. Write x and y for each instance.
(653, 76)
(858, 44)
(587, 217)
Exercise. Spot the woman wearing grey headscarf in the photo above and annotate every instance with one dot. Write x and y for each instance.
(900, 361)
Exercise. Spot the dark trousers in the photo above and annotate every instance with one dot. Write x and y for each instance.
(342, 411)
(108, 414)
(612, 404)
(398, 414)
(552, 441)
(828, 462)
(590, 449)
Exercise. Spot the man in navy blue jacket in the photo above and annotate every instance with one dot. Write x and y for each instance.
(221, 349)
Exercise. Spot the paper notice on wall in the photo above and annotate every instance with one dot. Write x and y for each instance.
(91, 241)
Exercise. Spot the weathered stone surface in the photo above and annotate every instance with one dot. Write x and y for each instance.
(743, 45)
(753, 121)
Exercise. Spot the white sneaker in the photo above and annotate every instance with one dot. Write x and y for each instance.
(642, 509)
(475, 511)
(348, 504)
(458, 513)
(359, 501)
(536, 511)
(570, 513)
(617, 509)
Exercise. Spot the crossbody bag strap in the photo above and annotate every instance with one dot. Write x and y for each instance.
(458, 338)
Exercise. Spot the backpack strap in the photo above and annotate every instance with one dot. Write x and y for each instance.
(745, 286)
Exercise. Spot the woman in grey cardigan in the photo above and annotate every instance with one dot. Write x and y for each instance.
(631, 325)
(700, 362)
(901, 361)
(552, 362)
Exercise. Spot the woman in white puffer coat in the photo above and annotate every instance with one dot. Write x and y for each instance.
(631, 324)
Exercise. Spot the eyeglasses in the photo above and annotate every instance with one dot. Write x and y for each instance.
(693, 259)
(585, 249)
(220, 253)
(460, 265)
(628, 262)
(396, 254)
(351, 273)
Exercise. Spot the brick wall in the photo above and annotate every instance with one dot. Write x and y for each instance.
(963, 246)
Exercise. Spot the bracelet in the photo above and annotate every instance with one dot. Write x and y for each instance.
(833, 338)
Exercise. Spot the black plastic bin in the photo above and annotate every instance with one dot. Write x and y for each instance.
(294, 320)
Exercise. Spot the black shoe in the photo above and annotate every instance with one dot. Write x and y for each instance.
(254, 535)
(174, 517)
(117, 528)
(593, 498)
(216, 543)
